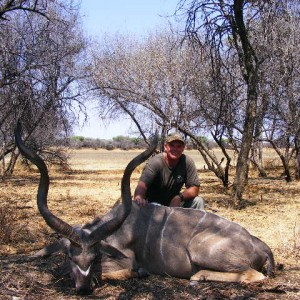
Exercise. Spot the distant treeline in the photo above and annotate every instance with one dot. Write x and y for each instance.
(121, 142)
(128, 143)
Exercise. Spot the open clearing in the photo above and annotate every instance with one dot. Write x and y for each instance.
(92, 185)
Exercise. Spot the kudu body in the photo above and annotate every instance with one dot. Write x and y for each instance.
(179, 242)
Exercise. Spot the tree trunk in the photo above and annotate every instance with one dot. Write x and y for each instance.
(3, 161)
(297, 159)
(241, 175)
(242, 167)
(285, 162)
(256, 158)
(13, 159)
(249, 66)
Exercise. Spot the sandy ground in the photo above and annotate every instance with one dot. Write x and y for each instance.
(92, 185)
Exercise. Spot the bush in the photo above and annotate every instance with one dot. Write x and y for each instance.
(109, 147)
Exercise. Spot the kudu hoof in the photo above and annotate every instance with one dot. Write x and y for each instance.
(142, 273)
(193, 283)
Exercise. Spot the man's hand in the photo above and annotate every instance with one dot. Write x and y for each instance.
(140, 194)
(140, 201)
(176, 201)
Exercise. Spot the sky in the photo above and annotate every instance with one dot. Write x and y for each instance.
(123, 16)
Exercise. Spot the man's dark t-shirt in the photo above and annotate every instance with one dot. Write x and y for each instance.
(164, 183)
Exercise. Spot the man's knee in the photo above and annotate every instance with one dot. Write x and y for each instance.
(196, 203)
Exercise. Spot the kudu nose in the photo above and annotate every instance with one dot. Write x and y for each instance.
(84, 291)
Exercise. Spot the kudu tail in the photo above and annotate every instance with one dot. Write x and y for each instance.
(270, 264)
(268, 267)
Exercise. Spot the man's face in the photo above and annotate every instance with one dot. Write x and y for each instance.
(174, 149)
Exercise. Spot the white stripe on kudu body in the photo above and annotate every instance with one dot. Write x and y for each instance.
(162, 236)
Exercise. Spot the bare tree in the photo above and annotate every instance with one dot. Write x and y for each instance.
(279, 79)
(151, 81)
(216, 82)
(7, 7)
(41, 70)
(219, 102)
(229, 26)
(285, 104)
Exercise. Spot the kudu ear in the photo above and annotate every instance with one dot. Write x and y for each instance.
(109, 250)
(62, 244)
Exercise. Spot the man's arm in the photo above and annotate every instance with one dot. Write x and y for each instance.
(140, 194)
(188, 194)
(192, 182)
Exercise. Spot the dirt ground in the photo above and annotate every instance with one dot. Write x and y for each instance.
(92, 185)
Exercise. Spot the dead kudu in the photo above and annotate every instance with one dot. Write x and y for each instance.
(130, 241)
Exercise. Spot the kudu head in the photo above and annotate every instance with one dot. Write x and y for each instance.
(85, 244)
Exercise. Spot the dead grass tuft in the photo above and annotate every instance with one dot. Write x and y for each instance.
(7, 225)
(297, 238)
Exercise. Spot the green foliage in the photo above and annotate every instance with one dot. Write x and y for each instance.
(203, 139)
(120, 138)
(78, 138)
(136, 141)
(120, 141)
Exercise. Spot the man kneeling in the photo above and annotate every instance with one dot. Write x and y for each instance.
(165, 174)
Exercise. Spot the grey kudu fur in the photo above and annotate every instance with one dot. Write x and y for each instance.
(130, 241)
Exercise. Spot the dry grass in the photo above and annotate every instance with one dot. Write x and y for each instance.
(91, 187)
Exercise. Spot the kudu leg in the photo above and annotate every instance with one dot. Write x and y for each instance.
(247, 276)
(125, 274)
(120, 275)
